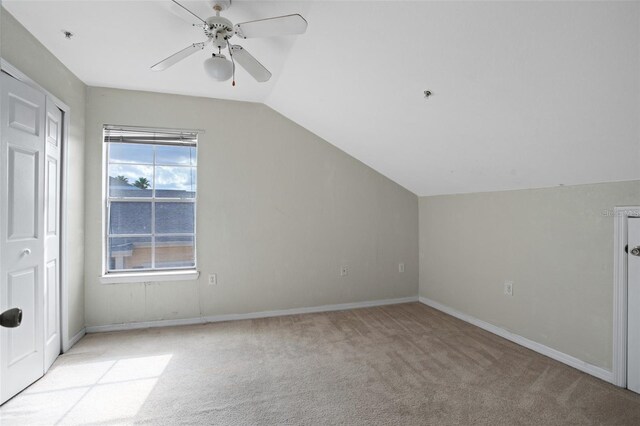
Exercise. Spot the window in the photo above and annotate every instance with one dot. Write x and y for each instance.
(150, 200)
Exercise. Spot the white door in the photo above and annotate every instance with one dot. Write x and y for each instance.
(22, 117)
(633, 306)
(53, 147)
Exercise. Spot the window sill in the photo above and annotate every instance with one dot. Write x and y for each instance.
(144, 277)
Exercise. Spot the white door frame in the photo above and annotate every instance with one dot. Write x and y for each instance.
(620, 221)
(64, 288)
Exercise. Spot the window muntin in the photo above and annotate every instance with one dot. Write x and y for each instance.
(151, 200)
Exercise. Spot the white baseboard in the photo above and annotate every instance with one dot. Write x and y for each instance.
(571, 361)
(252, 315)
(74, 340)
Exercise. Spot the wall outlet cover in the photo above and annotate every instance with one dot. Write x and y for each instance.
(508, 288)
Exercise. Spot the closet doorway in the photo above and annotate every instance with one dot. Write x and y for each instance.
(32, 136)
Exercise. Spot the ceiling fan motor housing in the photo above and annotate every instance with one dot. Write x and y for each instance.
(218, 29)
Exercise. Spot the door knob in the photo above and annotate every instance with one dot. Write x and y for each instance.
(11, 318)
(635, 251)
(26, 252)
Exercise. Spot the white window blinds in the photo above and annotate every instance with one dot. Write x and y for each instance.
(120, 134)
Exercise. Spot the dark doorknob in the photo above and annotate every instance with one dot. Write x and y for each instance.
(11, 318)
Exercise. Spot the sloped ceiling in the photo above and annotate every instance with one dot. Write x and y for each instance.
(525, 94)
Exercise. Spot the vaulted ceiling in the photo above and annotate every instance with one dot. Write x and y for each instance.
(524, 94)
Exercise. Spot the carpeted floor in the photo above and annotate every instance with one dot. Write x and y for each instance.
(394, 365)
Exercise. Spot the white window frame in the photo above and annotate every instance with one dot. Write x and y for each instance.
(163, 274)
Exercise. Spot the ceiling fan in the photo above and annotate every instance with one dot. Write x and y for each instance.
(219, 30)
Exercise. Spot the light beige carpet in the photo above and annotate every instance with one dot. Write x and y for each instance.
(395, 365)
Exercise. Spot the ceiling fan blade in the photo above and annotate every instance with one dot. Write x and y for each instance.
(178, 56)
(183, 11)
(278, 26)
(250, 64)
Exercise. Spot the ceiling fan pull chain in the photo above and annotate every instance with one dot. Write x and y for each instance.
(233, 62)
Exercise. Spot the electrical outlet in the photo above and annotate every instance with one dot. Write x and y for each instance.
(213, 279)
(401, 267)
(508, 288)
(344, 271)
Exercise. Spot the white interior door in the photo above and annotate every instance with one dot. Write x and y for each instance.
(633, 306)
(53, 147)
(22, 117)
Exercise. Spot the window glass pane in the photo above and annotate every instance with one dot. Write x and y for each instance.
(178, 155)
(130, 180)
(130, 153)
(175, 252)
(174, 218)
(129, 253)
(139, 170)
(175, 182)
(130, 218)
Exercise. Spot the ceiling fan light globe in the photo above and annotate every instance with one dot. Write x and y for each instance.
(219, 68)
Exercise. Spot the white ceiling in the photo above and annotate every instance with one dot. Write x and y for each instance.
(525, 94)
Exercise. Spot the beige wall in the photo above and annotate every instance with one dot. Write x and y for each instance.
(556, 245)
(27, 54)
(279, 211)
